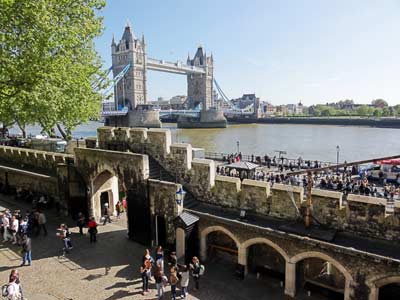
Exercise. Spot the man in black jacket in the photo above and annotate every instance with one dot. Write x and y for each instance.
(26, 250)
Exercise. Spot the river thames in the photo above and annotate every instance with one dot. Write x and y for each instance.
(308, 141)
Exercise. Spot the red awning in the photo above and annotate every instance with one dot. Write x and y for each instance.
(394, 161)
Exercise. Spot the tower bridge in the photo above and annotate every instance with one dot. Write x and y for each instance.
(130, 106)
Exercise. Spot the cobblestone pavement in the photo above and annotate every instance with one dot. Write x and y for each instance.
(109, 269)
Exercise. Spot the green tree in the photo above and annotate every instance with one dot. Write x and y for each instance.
(48, 62)
(385, 112)
(363, 110)
(377, 112)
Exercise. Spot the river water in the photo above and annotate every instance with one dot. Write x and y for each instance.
(308, 141)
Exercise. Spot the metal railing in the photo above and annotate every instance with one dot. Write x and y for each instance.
(260, 159)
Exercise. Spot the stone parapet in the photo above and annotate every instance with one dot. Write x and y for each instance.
(368, 216)
(255, 196)
(285, 199)
(23, 157)
(327, 206)
(226, 191)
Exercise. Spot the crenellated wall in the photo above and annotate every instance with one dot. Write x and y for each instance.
(199, 177)
(29, 158)
(283, 200)
(360, 214)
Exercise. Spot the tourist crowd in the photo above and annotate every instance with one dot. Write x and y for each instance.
(154, 269)
(345, 182)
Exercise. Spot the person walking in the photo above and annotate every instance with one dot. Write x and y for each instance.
(184, 281)
(26, 250)
(145, 271)
(158, 276)
(14, 290)
(196, 270)
(65, 234)
(106, 214)
(173, 280)
(81, 222)
(6, 226)
(160, 257)
(42, 222)
(92, 225)
(118, 209)
(14, 225)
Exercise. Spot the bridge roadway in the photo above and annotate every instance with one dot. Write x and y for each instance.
(173, 67)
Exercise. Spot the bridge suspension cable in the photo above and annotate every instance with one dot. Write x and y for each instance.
(95, 84)
(229, 102)
(117, 78)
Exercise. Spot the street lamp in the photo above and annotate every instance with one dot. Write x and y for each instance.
(337, 158)
(238, 144)
(180, 194)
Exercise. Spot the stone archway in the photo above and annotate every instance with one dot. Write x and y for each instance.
(244, 247)
(273, 258)
(104, 188)
(378, 282)
(203, 239)
(313, 254)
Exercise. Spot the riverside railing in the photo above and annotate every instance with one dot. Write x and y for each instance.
(260, 159)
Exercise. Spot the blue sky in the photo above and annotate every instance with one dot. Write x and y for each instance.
(284, 51)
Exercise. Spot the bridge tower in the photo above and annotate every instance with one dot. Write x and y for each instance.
(131, 90)
(200, 86)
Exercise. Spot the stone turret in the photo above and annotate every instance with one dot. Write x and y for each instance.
(130, 91)
(200, 86)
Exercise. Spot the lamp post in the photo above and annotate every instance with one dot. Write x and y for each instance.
(337, 158)
(180, 194)
(238, 144)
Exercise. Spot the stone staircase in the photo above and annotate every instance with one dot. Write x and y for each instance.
(159, 173)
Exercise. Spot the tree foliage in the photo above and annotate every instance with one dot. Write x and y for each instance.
(48, 63)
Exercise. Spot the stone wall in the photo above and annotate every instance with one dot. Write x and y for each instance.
(162, 196)
(328, 207)
(32, 159)
(285, 199)
(198, 177)
(368, 216)
(226, 191)
(44, 184)
(255, 196)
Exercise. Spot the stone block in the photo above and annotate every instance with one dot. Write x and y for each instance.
(158, 143)
(226, 191)
(121, 134)
(91, 142)
(327, 206)
(180, 156)
(105, 135)
(254, 196)
(202, 177)
(367, 216)
(285, 199)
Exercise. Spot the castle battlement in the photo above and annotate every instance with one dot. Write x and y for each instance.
(20, 157)
(367, 215)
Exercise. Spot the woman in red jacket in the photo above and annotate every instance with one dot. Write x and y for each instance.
(92, 225)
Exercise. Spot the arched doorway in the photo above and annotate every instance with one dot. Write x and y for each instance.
(265, 260)
(218, 244)
(321, 275)
(221, 248)
(390, 291)
(384, 288)
(104, 193)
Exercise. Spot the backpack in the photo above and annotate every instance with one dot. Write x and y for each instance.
(202, 270)
(4, 290)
